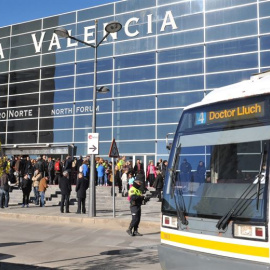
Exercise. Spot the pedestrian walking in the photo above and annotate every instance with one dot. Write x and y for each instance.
(26, 189)
(35, 183)
(65, 187)
(81, 187)
(42, 189)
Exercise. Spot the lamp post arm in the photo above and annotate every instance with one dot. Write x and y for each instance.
(103, 38)
(81, 41)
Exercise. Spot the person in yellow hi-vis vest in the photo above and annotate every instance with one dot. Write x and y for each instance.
(136, 199)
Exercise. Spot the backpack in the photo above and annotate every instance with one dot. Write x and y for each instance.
(57, 166)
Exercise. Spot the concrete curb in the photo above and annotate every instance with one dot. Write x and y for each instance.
(108, 222)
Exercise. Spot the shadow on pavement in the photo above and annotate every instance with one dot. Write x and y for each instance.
(13, 266)
(17, 244)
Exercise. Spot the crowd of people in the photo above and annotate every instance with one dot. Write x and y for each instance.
(37, 174)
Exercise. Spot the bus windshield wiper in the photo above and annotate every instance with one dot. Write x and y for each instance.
(177, 192)
(240, 203)
(260, 175)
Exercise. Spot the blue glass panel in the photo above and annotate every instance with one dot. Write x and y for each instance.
(87, 94)
(130, 104)
(180, 84)
(232, 47)
(27, 87)
(134, 118)
(57, 84)
(134, 133)
(162, 151)
(134, 60)
(59, 20)
(5, 43)
(180, 54)
(64, 136)
(103, 78)
(231, 31)
(265, 42)
(57, 96)
(163, 130)
(179, 100)
(182, 8)
(56, 123)
(29, 62)
(265, 59)
(135, 45)
(222, 79)
(5, 31)
(103, 148)
(102, 120)
(133, 5)
(184, 38)
(232, 62)
(102, 64)
(58, 58)
(57, 71)
(4, 66)
(136, 147)
(95, 12)
(216, 4)
(22, 125)
(168, 116)
(16, 101)
(264, 9)
(180, 69)
(136, 74)
(89, 25)
(26, 27)
(133, 89)
(20, 137)
(81, 149)
(264, 26)
(231, 15)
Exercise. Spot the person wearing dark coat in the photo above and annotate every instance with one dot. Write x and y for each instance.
(81, 187)
(159, 185)
(68, 166)
(65, 187)
(141, 177)
(26, 189)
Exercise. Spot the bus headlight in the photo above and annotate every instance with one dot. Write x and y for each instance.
(169, 221)
(249, 231)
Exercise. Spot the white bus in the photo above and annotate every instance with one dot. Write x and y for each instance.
(215, 209)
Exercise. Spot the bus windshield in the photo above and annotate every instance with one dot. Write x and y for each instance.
(219, 161)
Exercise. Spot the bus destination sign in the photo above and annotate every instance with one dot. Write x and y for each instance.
(231, 114)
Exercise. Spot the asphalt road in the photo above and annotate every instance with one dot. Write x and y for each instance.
(29, 245)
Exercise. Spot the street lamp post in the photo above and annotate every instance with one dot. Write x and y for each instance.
(110, 28)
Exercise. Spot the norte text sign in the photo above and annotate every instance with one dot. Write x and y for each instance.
(93, 141)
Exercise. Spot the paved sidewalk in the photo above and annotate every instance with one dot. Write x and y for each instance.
(50, 214)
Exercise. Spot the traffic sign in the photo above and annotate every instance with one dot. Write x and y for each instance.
(93, 142)
(114, 150)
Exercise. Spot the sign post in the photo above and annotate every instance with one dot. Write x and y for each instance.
(113, 154)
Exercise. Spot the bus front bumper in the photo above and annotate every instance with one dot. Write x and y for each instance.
(173, 258)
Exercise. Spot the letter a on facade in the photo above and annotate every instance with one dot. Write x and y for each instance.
(113, 150)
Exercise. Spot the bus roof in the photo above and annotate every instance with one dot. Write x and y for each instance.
(258, 84)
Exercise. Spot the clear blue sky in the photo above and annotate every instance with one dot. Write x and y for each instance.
(17, 11)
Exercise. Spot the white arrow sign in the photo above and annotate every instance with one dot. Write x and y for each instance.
(93, 142)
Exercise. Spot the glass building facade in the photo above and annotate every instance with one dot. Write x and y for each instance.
(169, 54)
